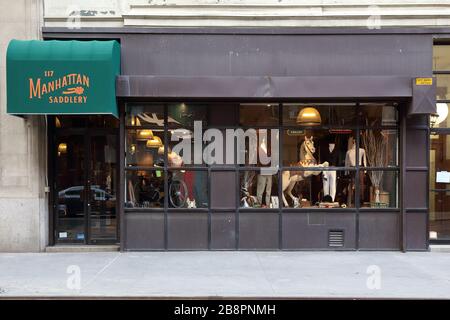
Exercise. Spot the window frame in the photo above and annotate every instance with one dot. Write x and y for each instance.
(357, 128)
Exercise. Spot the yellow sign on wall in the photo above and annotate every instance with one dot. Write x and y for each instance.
(424, 81)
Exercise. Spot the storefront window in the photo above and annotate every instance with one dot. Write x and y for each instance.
(259, 189)
(378, 148)
(318, 188)
(259, 114)
(336, 114)
(188, 189)
(314, 147)
(326, 155)
(184, 115)
(377, 114)
(145, 148)
(144, 189)
(378, 189)
(145, 115)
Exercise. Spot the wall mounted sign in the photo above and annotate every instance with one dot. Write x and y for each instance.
(424, 81)
(442, 177)
(62, 77)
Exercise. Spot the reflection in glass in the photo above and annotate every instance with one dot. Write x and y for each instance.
(143, 148)
(441, 57)
(183, 115)
(442, 86)
(188, 189)
(102, 198)
(144, 189)
(441, 119)
(318, 188)
(378, 189)
(377, 114)
(258, 114)
(145, 115)
(70, 188)
(259, 189)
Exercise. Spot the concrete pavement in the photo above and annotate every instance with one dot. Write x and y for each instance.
(226, 274)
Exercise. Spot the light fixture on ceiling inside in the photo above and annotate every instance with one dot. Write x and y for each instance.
(62, 148)
(154, 143)
(145, 134)
(309, 116)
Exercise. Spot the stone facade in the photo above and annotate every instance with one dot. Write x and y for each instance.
(23, 208)
(248, 13)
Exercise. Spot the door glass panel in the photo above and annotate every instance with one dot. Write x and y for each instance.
(102, 188)
(70, 188)
(440, 187)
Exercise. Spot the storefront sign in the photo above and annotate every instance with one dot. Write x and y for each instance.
(62, 77)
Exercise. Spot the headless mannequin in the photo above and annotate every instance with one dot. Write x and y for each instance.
(350, 161)
(329, 177)
(264, 181)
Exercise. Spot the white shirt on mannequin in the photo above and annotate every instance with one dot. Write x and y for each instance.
(350, 157)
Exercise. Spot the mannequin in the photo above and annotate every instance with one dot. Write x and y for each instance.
(264, 181)
(350, 157)
(350, 161)
(330, 154)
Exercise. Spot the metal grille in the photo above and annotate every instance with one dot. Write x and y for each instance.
(335, 238)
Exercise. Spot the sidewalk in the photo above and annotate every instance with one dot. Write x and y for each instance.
(226, 274)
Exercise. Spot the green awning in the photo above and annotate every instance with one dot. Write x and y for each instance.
(62, 77)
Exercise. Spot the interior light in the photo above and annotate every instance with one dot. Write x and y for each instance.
(309, 116)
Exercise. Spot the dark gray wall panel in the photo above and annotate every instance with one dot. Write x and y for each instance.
(303, 230)
(187, 230)
(379, 230)
(416, 148)
(416, 189)
(258, 230)
(223, 189)
(276, 55)
(416, 230)
(144, 231)
(223, 230)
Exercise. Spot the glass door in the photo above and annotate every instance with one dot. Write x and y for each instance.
(70, 188)
(102, 181)
(85, 186)
(440, 187)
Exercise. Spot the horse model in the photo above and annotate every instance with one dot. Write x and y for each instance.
(290, 178)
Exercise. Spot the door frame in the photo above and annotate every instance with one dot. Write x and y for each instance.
(440, 132)
(86, 133)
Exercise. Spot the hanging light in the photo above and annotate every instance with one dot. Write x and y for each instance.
(161, 150)
(62, 148)
(145, 134)
(154, 143)
(309, 116)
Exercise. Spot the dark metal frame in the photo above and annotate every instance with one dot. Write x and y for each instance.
(356, 128)
(438, 131)
(86, 133)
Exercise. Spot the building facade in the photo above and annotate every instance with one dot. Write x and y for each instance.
(335, 123)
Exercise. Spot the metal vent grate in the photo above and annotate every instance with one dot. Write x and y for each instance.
(335, 238)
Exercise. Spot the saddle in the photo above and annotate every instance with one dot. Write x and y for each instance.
(303, 163)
